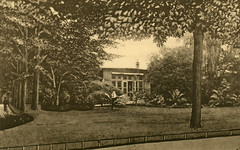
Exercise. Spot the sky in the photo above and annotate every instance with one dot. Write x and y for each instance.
(133, 51)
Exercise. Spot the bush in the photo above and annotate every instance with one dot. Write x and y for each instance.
(83, 102)
(82, 94)
(122, 101)
(171, 69)
(10, 121)
(157, 100)
(177, 99)
(223, 96)
(66, 107)
(99, 97)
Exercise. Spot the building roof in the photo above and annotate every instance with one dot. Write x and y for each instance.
(125, 70)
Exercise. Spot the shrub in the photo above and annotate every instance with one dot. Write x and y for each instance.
(177, 99)
(138, 95)
(223, 96)
(171, 69)
(85, 96)
(82, 101)
(122, 101)
(147, 97)
(66, 107)
(157, 100)
(64, 97)
(99, 97)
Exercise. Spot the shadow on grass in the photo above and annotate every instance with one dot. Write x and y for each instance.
(10, 121)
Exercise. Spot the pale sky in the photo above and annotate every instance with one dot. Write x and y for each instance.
(133, 51)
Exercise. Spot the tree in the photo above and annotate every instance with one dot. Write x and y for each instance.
(60, 43)
(80, 52)
(170, 70)
(160, 19)
(23, 21)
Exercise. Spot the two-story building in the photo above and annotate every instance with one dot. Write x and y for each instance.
(128, 80)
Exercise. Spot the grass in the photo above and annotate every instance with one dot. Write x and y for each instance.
(103, 123)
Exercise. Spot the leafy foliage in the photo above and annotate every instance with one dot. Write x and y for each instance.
(122, 100)
(171, 69)
(62, 43)
(92, 92)
(223, 96)
(177, 99)
(157, 100)
(139, 19)
(99, 97)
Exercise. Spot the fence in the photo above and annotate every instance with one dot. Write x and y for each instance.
(124, 141)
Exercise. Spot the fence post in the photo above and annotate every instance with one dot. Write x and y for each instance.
(99, 143)
(145, 139)
(114, 142)
(206, 135)
(51, 147)
(65, 146)
(230, 133)
(83, 144)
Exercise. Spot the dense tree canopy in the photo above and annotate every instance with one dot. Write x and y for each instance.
(171, 70)
(48, 37)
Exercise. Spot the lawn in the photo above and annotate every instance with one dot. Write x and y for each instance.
(103, 123)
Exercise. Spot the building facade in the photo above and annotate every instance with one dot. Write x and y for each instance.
(129, 80)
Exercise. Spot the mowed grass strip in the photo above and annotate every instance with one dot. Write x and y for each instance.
(104, 123)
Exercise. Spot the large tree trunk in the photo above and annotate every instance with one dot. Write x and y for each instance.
(14, 93)
(197, 62)
(25, 95)
(19, 100)
(36, 78)
(25, 80)
(58, 92)
(35, 98)
(57, 98)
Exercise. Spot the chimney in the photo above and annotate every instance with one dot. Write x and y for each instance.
(137, 64)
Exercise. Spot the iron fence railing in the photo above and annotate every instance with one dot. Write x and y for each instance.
(124, 141)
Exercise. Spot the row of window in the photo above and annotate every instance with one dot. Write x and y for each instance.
(128, 86)
(127, 77)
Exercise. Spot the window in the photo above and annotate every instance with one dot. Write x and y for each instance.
(140, 86)
(119, 84)
(114, 83)
(134, 87)
(124, 84)
(119, 77)
(125, 87)
(113, 77)
(137, 83)
(140, 77)
(125, 77)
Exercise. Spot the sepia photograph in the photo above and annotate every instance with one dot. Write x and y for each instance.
(120, 74)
